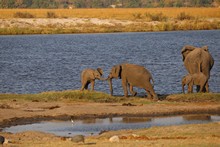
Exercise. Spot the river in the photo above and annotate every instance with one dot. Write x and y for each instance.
(38, 63)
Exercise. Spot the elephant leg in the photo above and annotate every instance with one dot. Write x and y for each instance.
(87, 85)
(124, 85)
(198, 88)
(190, 88)
(92, 85)
(134, 93)
(84, 85)
(148, 94)
(201, 88)
(151, 93)
(206, 87)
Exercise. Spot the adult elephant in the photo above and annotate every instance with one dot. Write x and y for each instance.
(197, 60)
(89, 76)
(133, 76)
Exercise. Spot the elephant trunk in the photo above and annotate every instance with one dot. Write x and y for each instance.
(110, 85)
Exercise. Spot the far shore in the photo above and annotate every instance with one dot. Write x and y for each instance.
(64, 21)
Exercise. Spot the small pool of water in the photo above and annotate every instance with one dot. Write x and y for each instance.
(96, 125)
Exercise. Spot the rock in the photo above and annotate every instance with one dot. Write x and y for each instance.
(2, 139)
(78, 139)
(128, 104)
(135, 135)
(114, 139)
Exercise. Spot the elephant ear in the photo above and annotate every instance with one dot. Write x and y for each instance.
(205, 48)
(118, 71)
(100, 71)
(186, 50)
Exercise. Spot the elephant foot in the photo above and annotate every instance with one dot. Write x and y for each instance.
(134, 93)
(126, 95)
(149, 96)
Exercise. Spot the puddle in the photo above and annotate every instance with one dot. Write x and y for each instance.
(96, 125)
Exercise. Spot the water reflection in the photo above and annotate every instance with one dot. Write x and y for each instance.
(135, 119)
(97, 125)
(197, 117)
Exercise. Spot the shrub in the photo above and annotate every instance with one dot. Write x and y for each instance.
(23, 15)
(51, 15)
(137, 15)
(156, 17)
(184, 16)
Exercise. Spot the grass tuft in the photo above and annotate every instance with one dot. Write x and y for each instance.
(23, 15)
(184, 16)
(51, 15)
(156, 16)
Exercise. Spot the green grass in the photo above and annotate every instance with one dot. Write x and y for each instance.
(94, 96)
(72, 95)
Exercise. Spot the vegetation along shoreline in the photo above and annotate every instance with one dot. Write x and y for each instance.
(108, 20)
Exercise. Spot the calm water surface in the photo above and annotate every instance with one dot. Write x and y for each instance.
(37, 63)
(96, 125)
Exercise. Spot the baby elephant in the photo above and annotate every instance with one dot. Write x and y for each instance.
(195, 79)
(89, 75)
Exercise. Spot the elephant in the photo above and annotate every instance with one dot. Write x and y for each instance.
(195, 79)
(197, 60)
(132, 75)
(89, 76)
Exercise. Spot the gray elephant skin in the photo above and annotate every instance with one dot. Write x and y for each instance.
(197, 60)
(89, 76)
(195, 79)
(133, 76)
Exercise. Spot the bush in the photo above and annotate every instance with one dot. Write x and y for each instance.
(137, 15)
(184, 16)
(51, 15)
(23, 15)
(156, 16)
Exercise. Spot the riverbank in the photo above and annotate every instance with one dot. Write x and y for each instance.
(64, 21)
(28, 108)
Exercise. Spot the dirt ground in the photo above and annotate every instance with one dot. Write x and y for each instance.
(13, 112)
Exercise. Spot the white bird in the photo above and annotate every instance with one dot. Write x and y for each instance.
(72, 121)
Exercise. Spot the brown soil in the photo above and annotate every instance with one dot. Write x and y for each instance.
(21, 112)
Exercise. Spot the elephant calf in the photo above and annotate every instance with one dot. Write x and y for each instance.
(88, 76)
(198, 79)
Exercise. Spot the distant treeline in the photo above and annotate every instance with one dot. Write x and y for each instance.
(106, 3)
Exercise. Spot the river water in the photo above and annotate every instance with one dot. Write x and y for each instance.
(37, 63)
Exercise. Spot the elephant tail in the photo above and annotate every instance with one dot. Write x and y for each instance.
(199, 67)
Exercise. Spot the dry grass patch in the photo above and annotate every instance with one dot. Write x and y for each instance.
(123, 14)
